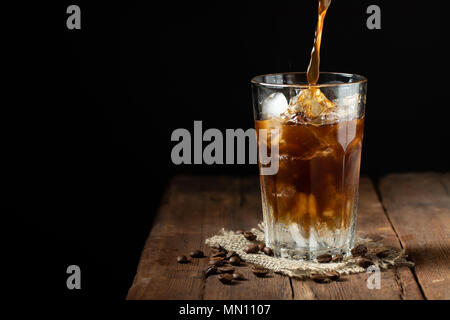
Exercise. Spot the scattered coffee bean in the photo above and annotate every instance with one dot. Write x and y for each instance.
(218, 253)
(324, 258)
(258, 267)
(268, 251)
(261, 246)
(260, 271)
(238, 276)
(230, 254)
(337, 258)
(225, 278)
(319, 278)
(364, 262)
(252, 248)
(210, 271)
(225, 269)
(196, 254)
(217, 261)
(239, 232)
(359, 250)
(383, 253)
(217, 246)
(333, 275)
(182, 259)
(217, 258)
(235, 261)
(249, 235)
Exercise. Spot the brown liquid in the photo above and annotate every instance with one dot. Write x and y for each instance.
(318, 176)
(314, 62)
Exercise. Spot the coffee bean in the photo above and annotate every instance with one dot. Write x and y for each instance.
(238, 276)
(217, 261)
(230, 254)
(249, 235)
(337, 258)
(260, 271)
(268, 251)
(225, 278)
(319, 278)
(364, 262)
(235, 261)
(196, 254)
(252, 248)
(261, 246)
(332, 275)
(225, 269)
(324, 258)
(359, 250)
(217, 258)
(218, 253)
(383, 253)
(239, 232)
(182, 259)
(210, 271)
(216, 246)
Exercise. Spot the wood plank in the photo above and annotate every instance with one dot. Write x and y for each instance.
(194, 209)
(246, 214)
(446, 182)
(396, 283)
(158, 275)
(418, 205)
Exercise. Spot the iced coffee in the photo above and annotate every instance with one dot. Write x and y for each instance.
(310, 204)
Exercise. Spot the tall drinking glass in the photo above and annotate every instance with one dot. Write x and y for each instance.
(315, 134)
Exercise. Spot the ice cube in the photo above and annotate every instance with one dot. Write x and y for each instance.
(312, 102)
(270, 137)
(312, 207)
(309, 104)
(285, 190)
(274, 105)
(347, 106)
(328, 213)
(297, 235)
(301, 205)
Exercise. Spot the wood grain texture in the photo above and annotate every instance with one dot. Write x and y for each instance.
(195, 208)
(446, 182)
(418, 205)
(244, 214)
(173, 233)
(396, 284)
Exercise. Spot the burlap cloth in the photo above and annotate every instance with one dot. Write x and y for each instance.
(301, 269)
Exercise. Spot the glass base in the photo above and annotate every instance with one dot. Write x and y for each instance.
(289, 242)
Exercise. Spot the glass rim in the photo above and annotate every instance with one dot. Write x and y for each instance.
(361, 80)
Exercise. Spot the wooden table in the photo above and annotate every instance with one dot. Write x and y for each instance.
(410, 211)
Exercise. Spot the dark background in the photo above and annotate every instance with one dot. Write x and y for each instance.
(86, 131)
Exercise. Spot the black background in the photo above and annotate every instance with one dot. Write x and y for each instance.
(86, 131)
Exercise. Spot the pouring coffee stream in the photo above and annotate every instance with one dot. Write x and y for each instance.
(314, 62)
